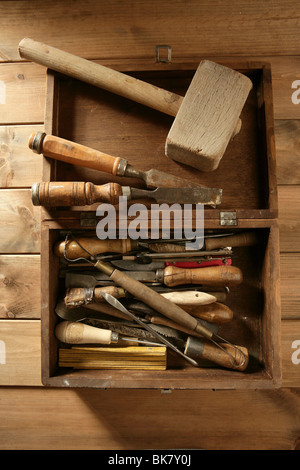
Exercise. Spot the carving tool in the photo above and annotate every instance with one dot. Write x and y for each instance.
(84, 247)
(206, 118)
(80, 155)
(154, 265)
(79, 333)
(77, 296)
(66, 193)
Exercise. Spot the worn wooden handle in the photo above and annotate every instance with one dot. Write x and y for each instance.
(228, 355)
(73, 153)
(77, 296)
(66, 193)
(240, 239)
(79, 333)
(100, 76)
(213, 313)
(72, 248)
(210, 276)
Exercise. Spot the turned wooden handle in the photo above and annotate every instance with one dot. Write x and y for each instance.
(79, 333)
(94, 246)
(66, 193)
(240, 239)
(210, 276)
(213, 313)
(100, 76)
(73, 153)
(230, 356)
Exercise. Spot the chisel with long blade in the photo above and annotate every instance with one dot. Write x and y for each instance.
(67, 193)
(76, 154)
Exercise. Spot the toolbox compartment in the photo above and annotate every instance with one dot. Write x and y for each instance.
(247, 174)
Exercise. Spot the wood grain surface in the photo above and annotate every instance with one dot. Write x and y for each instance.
(37, 417)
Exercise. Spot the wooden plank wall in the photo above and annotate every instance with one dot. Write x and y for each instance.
(32, 417)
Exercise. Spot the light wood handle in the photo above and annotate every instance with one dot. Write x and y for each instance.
(240, 239)
(230, 356)
(73, 153)
(100, 76)
(67, 193)
(77, 296)
(213, 313)
(210, 276)
(94, 246)
(190, 298)
(79, 333)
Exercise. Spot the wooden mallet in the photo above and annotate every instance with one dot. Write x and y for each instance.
(206, 118)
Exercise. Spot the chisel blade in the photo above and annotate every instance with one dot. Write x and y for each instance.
(157, 178)
(134, 266)
(172, 195)
(93, 280)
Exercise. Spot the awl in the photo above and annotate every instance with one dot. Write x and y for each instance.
(77, 154)
(65, 193)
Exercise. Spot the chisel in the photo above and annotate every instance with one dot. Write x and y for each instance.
(76, 154)
(66, 193)
(79, 333)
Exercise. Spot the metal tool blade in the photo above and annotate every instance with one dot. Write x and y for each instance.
(93, 280)
(170, 195)
(157, 178)
(134, 266)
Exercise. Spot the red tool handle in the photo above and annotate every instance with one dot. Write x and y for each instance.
(200, 264)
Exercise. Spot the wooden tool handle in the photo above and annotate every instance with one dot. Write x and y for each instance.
(211, 276)
(100, 76)
(154, 299)
(66, 193)
(73, 153)
(77, 296)
(94, 246)
(240, 239)
(190, 298)
(79, 333)
(227, 355)
(213, 313)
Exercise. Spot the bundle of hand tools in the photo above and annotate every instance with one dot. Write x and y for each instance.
(151, 294)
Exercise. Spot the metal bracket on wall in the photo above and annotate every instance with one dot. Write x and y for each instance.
(228, 218)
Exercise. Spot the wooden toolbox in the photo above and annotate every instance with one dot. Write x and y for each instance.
(247, 174)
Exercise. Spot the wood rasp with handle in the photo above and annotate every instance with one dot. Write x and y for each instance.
(206, 118)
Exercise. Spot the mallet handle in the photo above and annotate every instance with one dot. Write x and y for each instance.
(100, 76)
